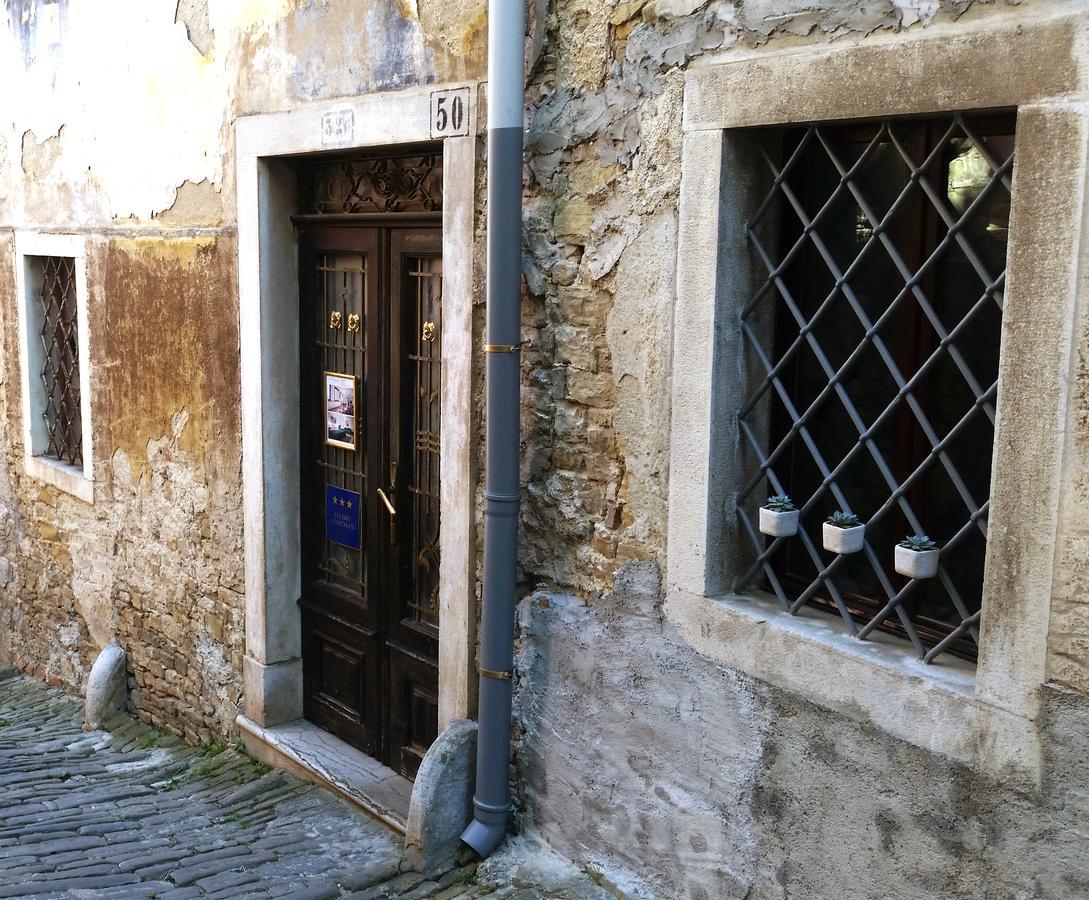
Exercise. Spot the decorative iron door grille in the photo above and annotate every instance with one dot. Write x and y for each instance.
(382, 184)
(874, 340)
(342, 297)
(424, 285)
(60, 359)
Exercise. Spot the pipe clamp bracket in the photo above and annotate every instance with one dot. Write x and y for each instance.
(502, 348)
(491, 673)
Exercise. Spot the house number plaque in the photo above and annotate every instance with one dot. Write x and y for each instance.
(337, 127)
(450, 113)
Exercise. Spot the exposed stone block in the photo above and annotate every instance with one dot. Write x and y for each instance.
(107, 688)
(442, 799)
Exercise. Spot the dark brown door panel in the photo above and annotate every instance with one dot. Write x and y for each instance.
(414, 709)
(371, 332)
(341, 680)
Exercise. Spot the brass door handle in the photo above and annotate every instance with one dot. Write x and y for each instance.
(389, 506)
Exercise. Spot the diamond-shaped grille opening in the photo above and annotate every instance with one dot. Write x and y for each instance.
(60, 358)
(875, 336)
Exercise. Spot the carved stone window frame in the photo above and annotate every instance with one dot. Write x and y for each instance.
(30, 246)
(986, 716)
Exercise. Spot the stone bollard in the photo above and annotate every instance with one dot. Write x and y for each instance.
(107, 688)
(442, 799)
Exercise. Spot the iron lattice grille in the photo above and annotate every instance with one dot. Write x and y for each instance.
(873, 344)
(60, 359)
(425, 285)
(341, 338)
(375, 185)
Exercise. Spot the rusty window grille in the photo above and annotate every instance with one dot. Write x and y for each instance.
(59, 335)
(873, 341)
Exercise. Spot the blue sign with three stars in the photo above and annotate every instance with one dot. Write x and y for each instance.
(342, 517)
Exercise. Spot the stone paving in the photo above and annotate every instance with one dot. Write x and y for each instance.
(135, 813)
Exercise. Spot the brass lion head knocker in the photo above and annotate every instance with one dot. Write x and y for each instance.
(429, 331)
(334, 319)
(353, 321)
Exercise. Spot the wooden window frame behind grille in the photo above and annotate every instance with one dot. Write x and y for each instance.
(32, 249)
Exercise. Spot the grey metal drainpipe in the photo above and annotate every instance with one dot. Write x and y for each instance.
(506, 52)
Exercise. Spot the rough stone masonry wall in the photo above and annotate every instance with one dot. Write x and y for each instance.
(668, 773)
(156, 563)
(603, 174)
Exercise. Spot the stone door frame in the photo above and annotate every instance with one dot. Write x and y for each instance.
(268, 334)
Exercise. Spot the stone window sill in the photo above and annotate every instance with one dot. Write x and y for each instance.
(881, 681)
(68, 478)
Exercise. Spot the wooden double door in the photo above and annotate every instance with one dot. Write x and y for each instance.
(370, 377)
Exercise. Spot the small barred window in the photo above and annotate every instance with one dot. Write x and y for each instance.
(60, 358)
(873, 339)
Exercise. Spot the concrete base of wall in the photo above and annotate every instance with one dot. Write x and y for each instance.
(673, 775)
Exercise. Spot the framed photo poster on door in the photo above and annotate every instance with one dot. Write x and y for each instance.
(340, 417)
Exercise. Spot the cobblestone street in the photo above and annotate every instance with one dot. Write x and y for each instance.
(138, 813)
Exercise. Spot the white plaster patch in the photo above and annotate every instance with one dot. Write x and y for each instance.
(141, 108)
(638, 332)
(220, 677)
(912, 11)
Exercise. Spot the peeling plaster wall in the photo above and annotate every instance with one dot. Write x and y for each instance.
(156, 563)
(603, 174)
(106, 116)
(120, 127)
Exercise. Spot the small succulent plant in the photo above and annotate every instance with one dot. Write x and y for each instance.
(780, 503)
(918, 542)
(843, 519)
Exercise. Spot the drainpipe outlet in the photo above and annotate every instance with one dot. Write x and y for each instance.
(488, 828)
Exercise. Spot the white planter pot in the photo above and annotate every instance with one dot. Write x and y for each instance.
(778, 524)
(843, 540)
(916, 563)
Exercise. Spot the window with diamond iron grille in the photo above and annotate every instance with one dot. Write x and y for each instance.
(873, 338)
(60, 358)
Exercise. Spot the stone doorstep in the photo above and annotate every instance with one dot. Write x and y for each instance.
(315, 755)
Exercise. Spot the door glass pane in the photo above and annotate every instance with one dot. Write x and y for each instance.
(342, 344)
